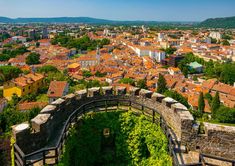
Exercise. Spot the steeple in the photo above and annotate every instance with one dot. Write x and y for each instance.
(98, 53)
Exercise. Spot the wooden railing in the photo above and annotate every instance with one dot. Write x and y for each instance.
(54, 153)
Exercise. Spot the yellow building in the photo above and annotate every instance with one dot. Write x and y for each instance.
(23, 85)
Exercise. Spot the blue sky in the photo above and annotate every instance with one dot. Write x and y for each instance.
(155, 10)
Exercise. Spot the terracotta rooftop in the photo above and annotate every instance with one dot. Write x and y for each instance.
(31, 105)
(56, 88)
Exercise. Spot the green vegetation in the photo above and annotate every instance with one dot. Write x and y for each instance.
(224, 115)
(4, 36)
(42, 98)
(12, 53)
(11, 116)
(161, 84)
(226, 22)
(129, 81)
(169, 50)
(215, 104)
(178, 97)
(86, 73)
(201, 103)
(33, 59)
(224, 72)
(131, 140)
(220, 113)
(142, 84)
(99, 74)
(47, 69)
(8, 72)
(227, 74)
(225, 43)
(83, 43)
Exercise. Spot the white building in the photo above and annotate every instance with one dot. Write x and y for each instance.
(19, 39)
(106, 32)
(161, 37)
(156, 54)
(215, 35)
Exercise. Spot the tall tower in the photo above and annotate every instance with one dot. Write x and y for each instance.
(45, 33)
(98, 54)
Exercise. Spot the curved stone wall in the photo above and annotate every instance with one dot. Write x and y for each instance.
(45, 126)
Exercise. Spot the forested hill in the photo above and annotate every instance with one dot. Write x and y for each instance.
(89, 20)
(226, 22)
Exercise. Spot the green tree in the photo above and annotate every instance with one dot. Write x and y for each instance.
(225, 43)
(99, 74)
(33, 59)
(8, 72)
(213, 41)
(178, 97)
(215, 104)
(142, 84)
(225, 115)
(170, 50)
(47, 69)
(129, 81)
(161, 84)
(86, 73)
(37, 44)
(208, 97)
(201, 103)
(228, 73)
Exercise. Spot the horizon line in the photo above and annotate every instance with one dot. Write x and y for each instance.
(118, 20)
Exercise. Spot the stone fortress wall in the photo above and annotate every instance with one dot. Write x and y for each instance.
(218, 140)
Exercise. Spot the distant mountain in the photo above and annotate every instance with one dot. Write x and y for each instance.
(5, 20)
(85, 20)
(226, 22)
(54, 20)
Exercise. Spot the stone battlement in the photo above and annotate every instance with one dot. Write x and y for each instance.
(43, 129)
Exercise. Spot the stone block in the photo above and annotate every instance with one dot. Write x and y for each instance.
(120, 90)
(38, 123)
(134, 91)
(92, 92)
(178, 107)
(107, 91)
(81, 94)
(145, 93)
(70, 96)
(157, 97)
(21, 131)
(49, 109)
(168, 101)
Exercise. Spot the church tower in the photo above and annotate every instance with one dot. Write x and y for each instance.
(98, 54)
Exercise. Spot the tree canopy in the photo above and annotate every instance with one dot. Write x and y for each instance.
(82, 43)
(12, 53)
(201, 103)
(47, 69)
(8, 72)
(129, 81)
(225, 72)
(161, 84)
(33, 59)
(132, 140)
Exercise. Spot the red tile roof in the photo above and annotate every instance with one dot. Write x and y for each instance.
(31, 105)
(56, 88)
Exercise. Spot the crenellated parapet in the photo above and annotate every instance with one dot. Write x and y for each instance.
(47, 125)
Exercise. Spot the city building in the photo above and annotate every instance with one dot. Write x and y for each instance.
(196, 66)
(74, 67)
(23, 85)
(215, 35)
(57, 89)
